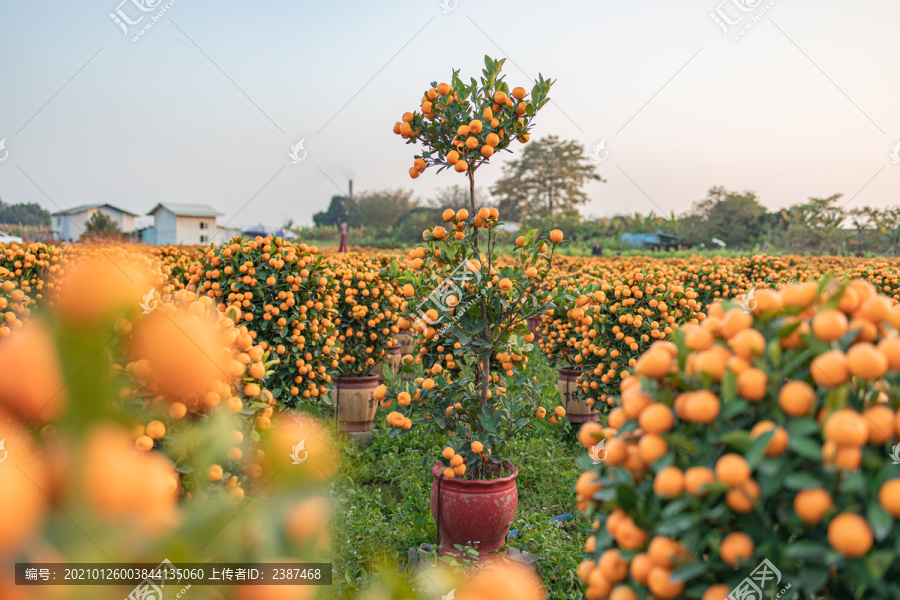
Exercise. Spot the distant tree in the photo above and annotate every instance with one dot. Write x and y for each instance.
(100, 226)
(814, 227)
(417, 220)
(548, 176)
(735, 218)
(334, 215)
(30, 214)
(379, 208)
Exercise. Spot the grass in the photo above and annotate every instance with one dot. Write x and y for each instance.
(382, 502)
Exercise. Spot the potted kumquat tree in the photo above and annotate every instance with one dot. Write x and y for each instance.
(365, 319)
(469, 312)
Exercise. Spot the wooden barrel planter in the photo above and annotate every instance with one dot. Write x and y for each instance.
(577, 411)
(356, 404)
(393, 357)
(407, 342)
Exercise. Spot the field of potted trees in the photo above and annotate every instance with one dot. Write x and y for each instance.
(465, 418)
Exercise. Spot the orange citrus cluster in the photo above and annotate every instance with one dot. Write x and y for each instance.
(756, 432)
(281, 291)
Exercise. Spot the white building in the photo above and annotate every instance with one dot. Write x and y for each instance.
(68, 225)
(187, 224)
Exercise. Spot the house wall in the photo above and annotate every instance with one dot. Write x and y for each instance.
(166, 227)
(125, 222)
(69, 227)
(195, 230)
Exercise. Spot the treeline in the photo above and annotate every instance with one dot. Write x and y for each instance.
(27, 215)
(543, 188)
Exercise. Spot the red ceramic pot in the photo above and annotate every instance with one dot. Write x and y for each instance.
(474, 513)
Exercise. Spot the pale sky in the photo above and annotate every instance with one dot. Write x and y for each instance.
(206, 105)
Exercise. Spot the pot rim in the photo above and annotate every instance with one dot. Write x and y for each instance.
(568, 371)
(475, 486)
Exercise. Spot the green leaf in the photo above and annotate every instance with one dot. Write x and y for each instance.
(802, 427)
(802, 481)
(758, 449)
(734, 408)
(729, 386)
(878, 562)
(689, 571)
(806, 448)
(880, 521)
(738, 439)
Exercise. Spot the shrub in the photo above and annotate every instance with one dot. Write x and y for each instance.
(280, 291)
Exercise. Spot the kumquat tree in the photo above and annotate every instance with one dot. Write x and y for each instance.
(470, 310)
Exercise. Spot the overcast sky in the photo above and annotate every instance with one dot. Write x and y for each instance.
(207, 104)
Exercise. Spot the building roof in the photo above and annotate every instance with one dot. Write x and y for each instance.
(187, 210)
(84, 207)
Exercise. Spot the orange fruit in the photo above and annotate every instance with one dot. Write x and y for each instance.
(830, 325)
(613, 567)
(701, 406)
(732, 469)
(799, 294)
(654, 364)
(812, 504)
(656, 418)
(735, 547)
(144, 443)
(652, 447)
(747, 343)
(156, 429)
(866, 361)
(796, 398)
(214, 472)
(846, 427)
(876, 309)
(590, 433)
(850, 535)
(742, 499)
(890, 347)
(640, 568)
(663, 551)
(889, 497)
(556, 236)
(716, 592)
(880, 422)
(661, 585)
(697, 477)
(622, 592)
(477, 447)
(668, 482)
(752, 384)
(829, 369)
(766, 301)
